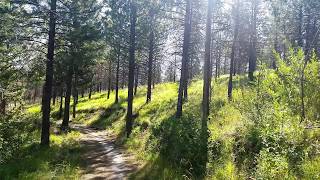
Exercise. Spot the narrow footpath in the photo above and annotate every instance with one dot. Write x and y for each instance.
(103, 160)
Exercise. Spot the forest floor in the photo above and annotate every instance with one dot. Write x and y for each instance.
(160, 147)
(102, 158)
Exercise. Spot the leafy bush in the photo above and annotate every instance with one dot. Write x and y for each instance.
(16, 130)
(10, 137)
(273, 143)
(179, 144)
(311, 169)
(272, 166)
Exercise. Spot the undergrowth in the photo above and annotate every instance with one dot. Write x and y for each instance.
(257, 135)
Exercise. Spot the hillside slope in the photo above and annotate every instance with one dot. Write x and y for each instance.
(168, 148)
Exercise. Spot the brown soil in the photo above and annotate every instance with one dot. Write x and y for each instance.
(103, 159)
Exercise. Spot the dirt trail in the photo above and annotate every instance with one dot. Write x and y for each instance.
(103, 160)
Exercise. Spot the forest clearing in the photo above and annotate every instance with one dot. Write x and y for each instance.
(159, 89)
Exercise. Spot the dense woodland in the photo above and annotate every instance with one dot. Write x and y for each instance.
(193, 89)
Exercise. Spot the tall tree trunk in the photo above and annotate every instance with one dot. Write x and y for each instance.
(66, 115)
(75, 95)
(90, 91)
(235, 39)
(174, 68)
(276, 49)
(307, 52)
(150, 58)
(207, 68)
(54, 95)
(302, 92)
(218, 61)
(184, 72)
(123, 78)
(133, 19)
(61, 103)
(136, 80)
(47, 90)
(235, 64)
(300, 26)
(117, 76)
(225, 63)
(218, 64)
(109, 79)
(75, 99)
(253, 41)
(35, 94)
(190, 69)
(307, 48)
(3, 106)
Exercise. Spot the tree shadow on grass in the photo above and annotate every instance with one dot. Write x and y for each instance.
(217, 104)
(90, 111)
(108, 116)
(94, 97)
(178, 142)
(238, 81)
(34, 161)
(157, 169)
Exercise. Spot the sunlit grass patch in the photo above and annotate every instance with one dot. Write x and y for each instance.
(160, 140)
(34, 109)
(62, 160)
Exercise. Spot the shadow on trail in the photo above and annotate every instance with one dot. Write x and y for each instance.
(102, 157)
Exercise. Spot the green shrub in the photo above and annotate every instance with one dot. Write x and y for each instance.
(272, 166)
(179, 144)
(273, 142)
(10, 137)
(311, 169)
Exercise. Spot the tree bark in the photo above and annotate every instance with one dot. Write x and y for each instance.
(300, 26)
(133, 19)
(150, 58)
(207, 68)
(123, 78)
(54, 95)
(307, 48)
(109, 79)
(235, 39)
(75, 95)
(174, 68)
(47, 90)
(184, 72)
(75, 99)
(65, 122)
(90, 91)
(136, 80)
(117, 76)
(253, 41)
(61, 103)
(35, 94)
(3, 106)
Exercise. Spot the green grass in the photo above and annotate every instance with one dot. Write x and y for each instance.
(60, 161)
(167, 148)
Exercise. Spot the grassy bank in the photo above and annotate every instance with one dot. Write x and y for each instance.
(168, 148)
